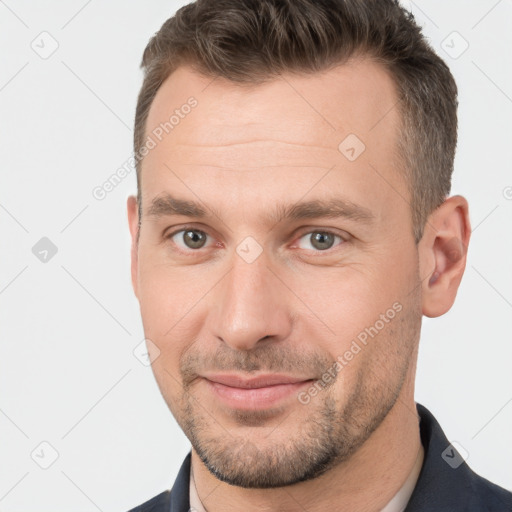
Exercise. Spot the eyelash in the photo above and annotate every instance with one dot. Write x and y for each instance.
(310, 232)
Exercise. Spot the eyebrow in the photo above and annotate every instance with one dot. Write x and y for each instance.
(330, 208)
(167, 205)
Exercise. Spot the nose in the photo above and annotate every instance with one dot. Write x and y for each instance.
(250, 306)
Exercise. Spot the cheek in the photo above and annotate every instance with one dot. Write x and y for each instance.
(168, 295)
(166, 372)
(358, 303)
(173, 309)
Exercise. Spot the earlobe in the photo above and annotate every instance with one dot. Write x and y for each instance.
(133, 224)
(442, 253)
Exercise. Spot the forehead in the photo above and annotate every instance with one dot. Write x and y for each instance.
(254, 137)
(356, 97)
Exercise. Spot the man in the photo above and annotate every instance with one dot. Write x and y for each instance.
(292, 226)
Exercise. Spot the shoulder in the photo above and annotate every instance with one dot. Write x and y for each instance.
(491, 496)
(156, 504)
(446, 482)
(175, 500)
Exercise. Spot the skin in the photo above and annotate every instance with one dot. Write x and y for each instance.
(295, 309)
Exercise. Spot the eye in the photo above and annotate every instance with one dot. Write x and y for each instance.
(189, 238)
(318, 240)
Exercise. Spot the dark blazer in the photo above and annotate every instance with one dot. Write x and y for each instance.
(445, 483)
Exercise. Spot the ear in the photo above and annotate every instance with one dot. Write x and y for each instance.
(442, 255)
(133, 223)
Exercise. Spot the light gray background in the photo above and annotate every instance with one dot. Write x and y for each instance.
(68, 375)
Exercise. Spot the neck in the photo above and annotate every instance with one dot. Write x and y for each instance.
(366, 482)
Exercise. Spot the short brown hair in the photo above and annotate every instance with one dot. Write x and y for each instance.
(251, 41)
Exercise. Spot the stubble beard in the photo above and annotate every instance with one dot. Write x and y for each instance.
(329, 435)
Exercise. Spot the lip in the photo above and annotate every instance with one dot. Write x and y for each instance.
(261, 381)
(261, 392)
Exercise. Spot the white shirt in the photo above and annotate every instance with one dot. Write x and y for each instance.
(397, 503)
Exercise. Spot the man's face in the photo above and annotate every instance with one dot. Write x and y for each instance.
(257, 283)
